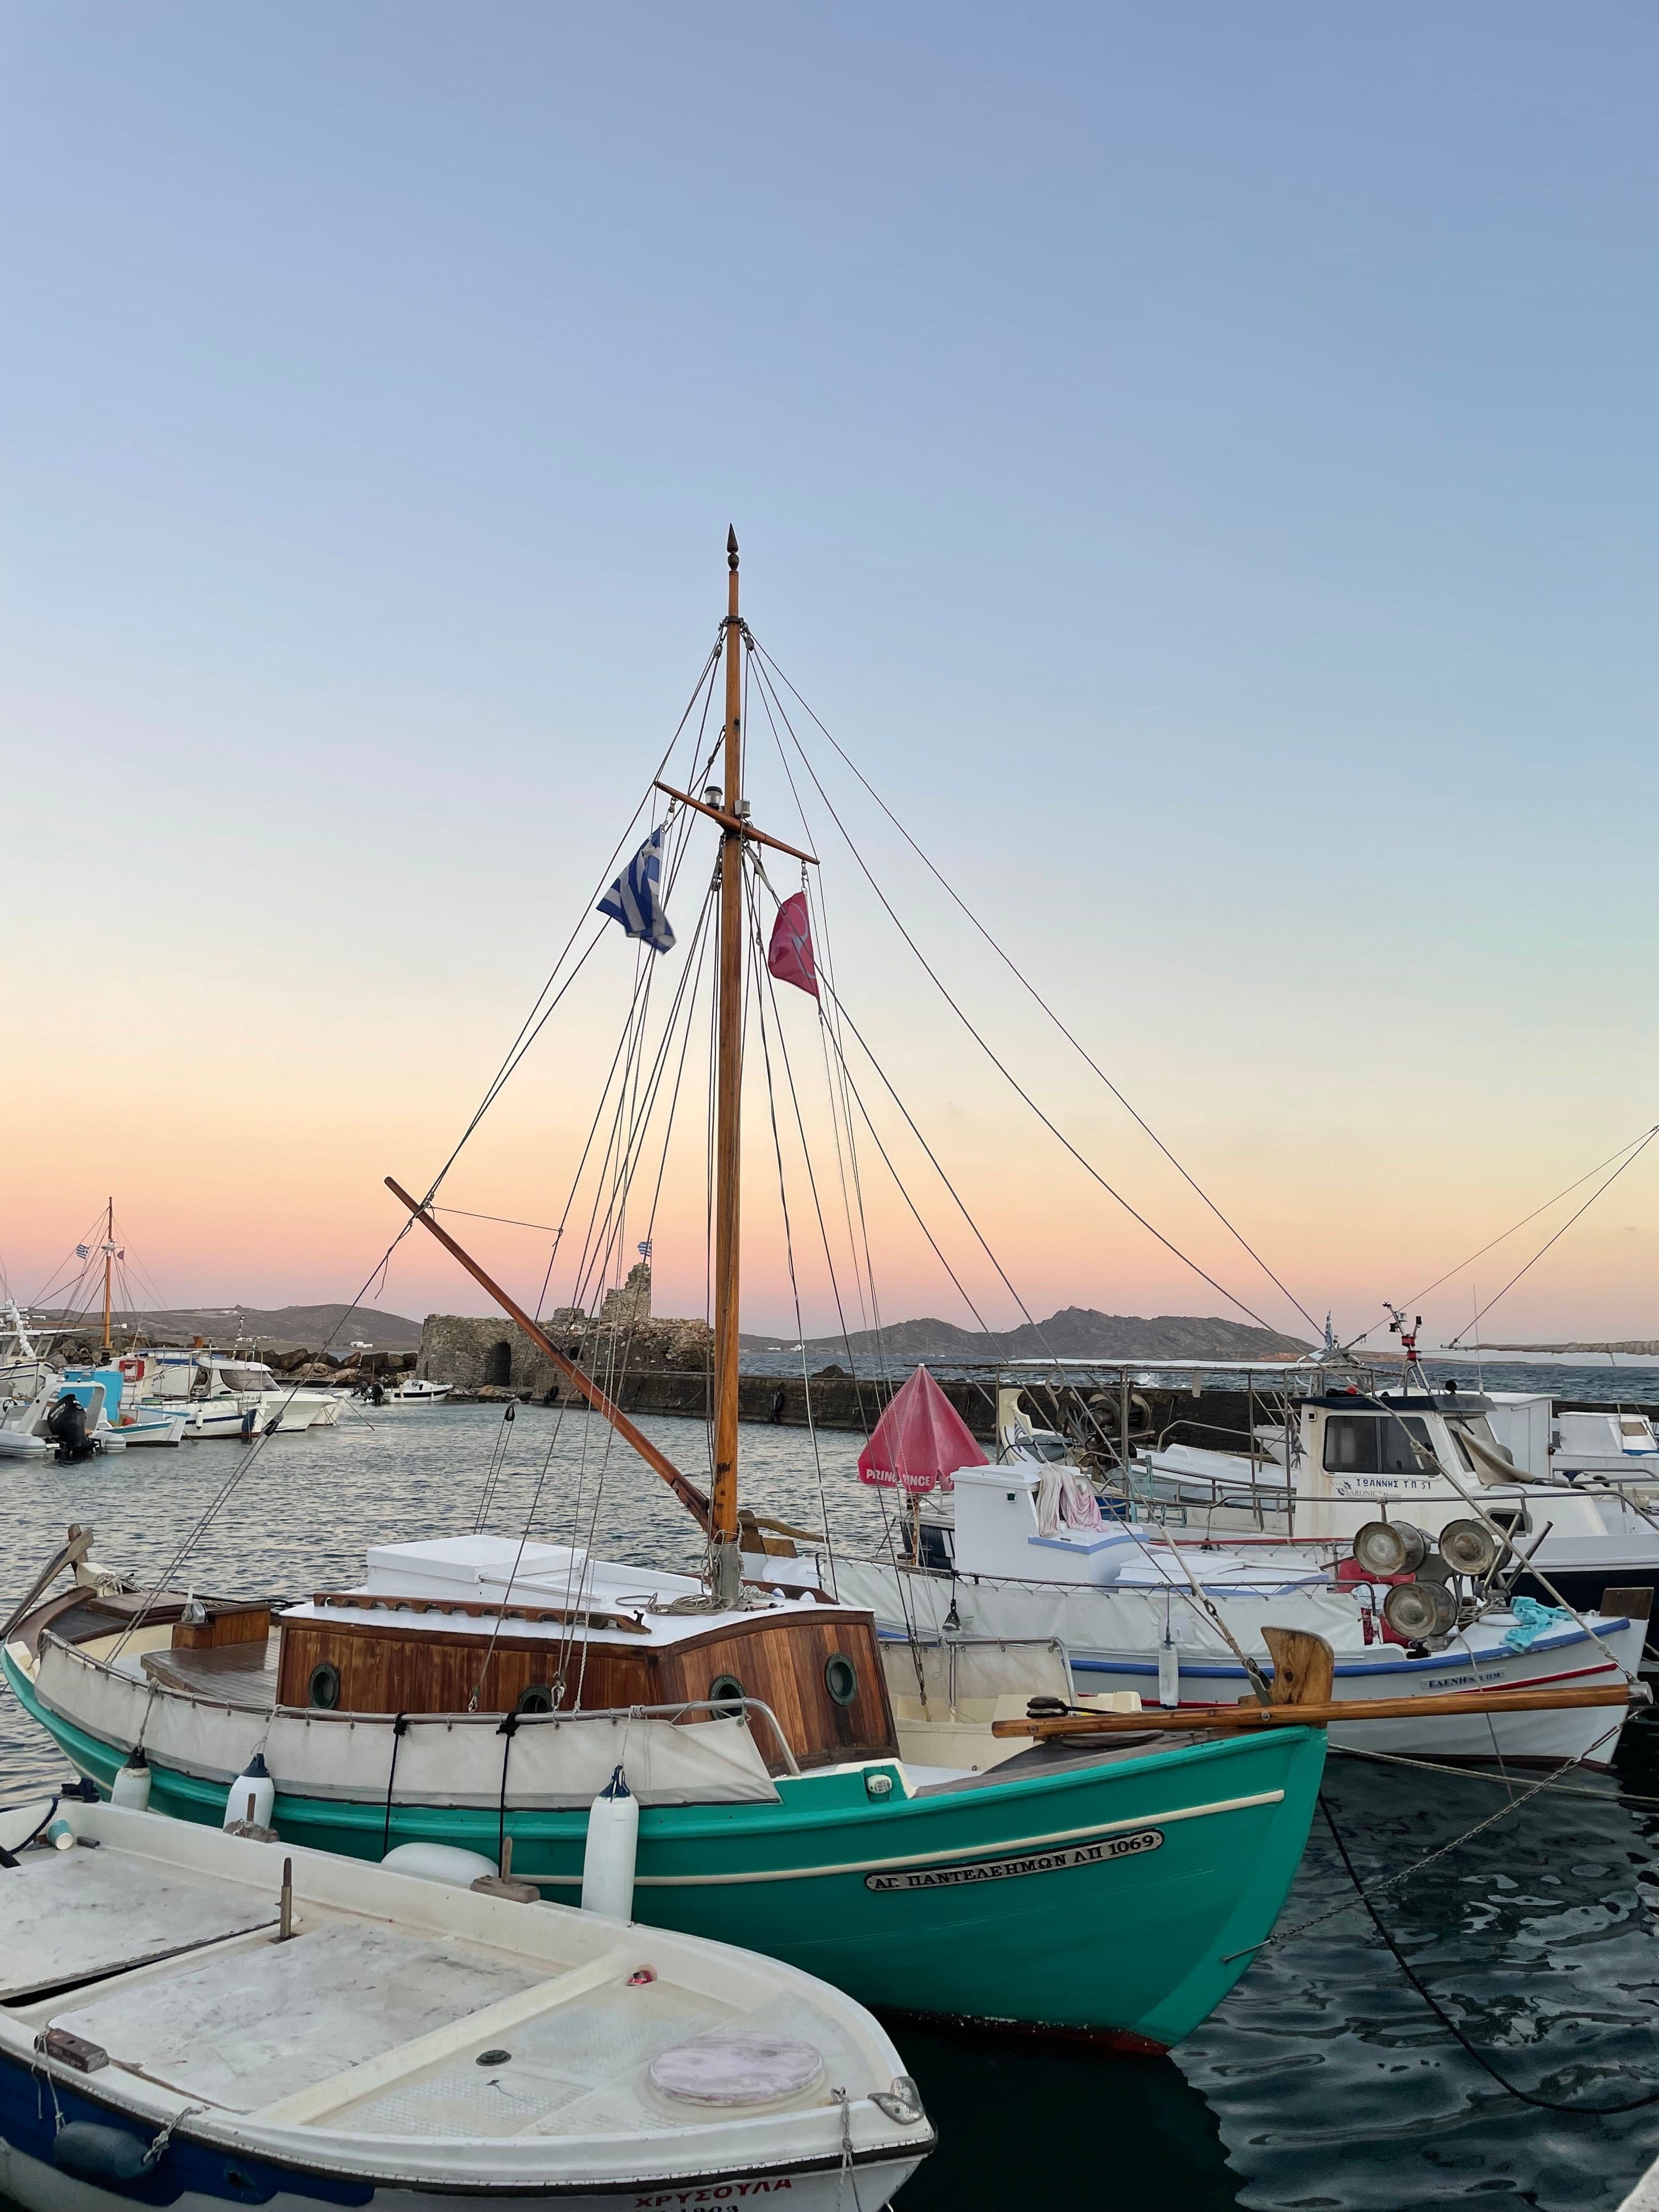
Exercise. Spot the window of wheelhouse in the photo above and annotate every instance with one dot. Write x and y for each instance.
(1375, 1443)
(244, 1377)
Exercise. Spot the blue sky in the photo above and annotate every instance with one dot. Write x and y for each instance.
(1200, 461)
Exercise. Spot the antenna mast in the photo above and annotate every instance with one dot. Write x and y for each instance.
(109, 1254)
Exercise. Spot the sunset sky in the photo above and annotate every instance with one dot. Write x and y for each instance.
(1198, 462)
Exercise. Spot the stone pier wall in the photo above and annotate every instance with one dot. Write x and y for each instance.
(496, 1359)
(664, 1367)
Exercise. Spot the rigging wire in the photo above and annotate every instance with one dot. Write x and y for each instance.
(759, 968)
(1503, 1237)
(770, 668)
(250, 1458)
(537, 1019)
(506, 1220)
(1559, 1235)
(630, 1148)
(530, 1029)
(624, 1149)
(840, 1107)
(1008, 1075)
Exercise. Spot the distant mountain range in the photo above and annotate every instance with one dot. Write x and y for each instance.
(1075, 1333)
(285, 1328)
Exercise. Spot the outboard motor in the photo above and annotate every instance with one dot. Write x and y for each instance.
(66, 1425)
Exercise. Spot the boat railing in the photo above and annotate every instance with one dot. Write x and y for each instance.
(738, 1705)
(722, 1708)
(1164, 1494)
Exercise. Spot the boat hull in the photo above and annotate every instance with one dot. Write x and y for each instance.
(194, 2176)
(1589, 1735)
(1094, 1627)
(1118, 1898)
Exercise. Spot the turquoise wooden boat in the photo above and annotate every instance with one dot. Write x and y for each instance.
(1115, 1894)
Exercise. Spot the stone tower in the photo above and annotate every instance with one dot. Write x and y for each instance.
(630, 1306)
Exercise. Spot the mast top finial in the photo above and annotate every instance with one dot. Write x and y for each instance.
(731, 547)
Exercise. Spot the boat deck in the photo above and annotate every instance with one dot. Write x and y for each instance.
(231, 1673)
(416, 2027)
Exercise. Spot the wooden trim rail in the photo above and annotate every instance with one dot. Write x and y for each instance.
(482, 1609)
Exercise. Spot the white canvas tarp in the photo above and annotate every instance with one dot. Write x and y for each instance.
(954, 1673)
(1107, 1622)
(440, 1759)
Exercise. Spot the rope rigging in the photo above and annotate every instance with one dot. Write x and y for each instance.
(1559, 1233)
(1002, 1068)
(770, 669)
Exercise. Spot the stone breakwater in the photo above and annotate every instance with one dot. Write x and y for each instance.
(662, 1366)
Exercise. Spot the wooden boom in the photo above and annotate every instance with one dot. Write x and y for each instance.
(682, 1485)
(1445, 1704)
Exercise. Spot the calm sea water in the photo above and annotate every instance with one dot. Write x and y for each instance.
(1322, 2082)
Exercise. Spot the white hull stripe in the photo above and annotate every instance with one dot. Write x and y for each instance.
(940, 1852)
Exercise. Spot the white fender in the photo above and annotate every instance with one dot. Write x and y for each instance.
(613, 1845)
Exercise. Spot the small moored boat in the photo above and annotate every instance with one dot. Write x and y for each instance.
(188, 2015)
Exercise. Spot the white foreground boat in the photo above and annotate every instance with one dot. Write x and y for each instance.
(202, 2019)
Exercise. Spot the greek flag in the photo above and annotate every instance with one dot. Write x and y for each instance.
(633, 901)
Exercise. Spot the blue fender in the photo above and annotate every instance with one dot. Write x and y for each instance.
(109, 2158)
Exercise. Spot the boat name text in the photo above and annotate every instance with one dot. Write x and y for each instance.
(1076, 1855)
(718, 2195)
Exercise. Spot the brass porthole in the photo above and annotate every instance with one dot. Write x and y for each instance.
(324, 1688)
(841, 1678)
(723, 1689)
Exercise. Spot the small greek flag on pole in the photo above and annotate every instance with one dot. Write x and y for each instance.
(633, 899)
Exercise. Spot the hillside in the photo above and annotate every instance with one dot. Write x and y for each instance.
(1074, 1333)
(283, 1328)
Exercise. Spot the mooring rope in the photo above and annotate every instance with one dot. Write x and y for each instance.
(1523, 2096)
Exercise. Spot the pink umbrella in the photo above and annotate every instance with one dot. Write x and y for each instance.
(919, 1441)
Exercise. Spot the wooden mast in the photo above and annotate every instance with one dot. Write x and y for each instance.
(109, 1251)
(726, 1565)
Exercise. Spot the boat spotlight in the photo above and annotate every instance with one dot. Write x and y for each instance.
(1468, 1548)
(1418, 1611)
(1390, 1547)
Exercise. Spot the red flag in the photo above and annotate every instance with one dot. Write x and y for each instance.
(789, 956)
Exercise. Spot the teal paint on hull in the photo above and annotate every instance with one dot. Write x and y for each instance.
(1141, 1945)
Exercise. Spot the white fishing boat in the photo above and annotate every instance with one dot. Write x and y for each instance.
(226, 1395)
(1576, 1491)
(416, 1392)
(1024, 1554)
(191, 2016)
